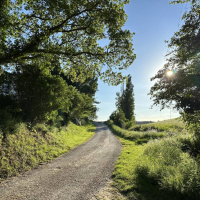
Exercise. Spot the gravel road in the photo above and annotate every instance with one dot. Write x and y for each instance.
(77, 175)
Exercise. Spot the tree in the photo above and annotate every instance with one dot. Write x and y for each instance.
(69, 30)
(51, 56)
(182, 88)
(83, 104)
(184, 1)
(33, 94)
(125, 106)
(127, 101)
(118, 118)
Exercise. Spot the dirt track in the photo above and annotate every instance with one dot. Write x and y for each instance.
(77, 175)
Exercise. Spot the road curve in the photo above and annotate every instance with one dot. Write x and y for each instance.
(77, 175)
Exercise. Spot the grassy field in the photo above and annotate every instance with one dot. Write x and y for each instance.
(157, 162)
(24, 149)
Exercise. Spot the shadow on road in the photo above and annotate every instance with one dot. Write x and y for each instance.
(100, 126)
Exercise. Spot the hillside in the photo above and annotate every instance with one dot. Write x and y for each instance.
(26, 148)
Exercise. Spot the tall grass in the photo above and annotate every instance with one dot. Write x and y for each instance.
(167, 166)
(25, 149)
(163, 168)
(167, 125)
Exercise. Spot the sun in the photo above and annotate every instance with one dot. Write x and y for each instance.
(169, 73)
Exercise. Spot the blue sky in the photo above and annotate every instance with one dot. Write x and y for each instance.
(153, 22)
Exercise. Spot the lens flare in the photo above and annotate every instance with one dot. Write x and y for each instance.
(169, 73)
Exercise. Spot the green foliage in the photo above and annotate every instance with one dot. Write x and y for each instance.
(184, 1)
(118, 118)
(35, 94)
(164, 168)
(124, 115)
(158, 127)
(26, 149)
(130, 124)
(82, 102)
(127, 100)
(40, 128)
(70, 31)
(182, 88)
(50, 61)
(138, 137)
(166, 165)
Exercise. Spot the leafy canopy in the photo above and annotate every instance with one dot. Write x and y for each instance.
(70, 30)
(182, 88)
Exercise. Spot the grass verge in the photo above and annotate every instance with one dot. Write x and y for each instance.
(160, 167)
(24, 149)
(138, 136)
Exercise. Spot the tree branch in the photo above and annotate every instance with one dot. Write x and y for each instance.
(33, 15)
(30, 57)
(38, 38)
(76, 29)
(70, 54)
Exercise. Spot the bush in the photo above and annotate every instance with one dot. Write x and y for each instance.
(118, 118)
(7, 123)
(190, 144)
(40, 128)
(139, 137)
(167, 166)
(129, 124)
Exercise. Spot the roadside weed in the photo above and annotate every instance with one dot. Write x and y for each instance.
(26, 149)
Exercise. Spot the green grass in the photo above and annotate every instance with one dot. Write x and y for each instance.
(162, 168)
(166, 125)
(138, 136)
(25, 149)
(124, 175)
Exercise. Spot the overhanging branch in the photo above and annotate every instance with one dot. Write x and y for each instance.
(31, 46)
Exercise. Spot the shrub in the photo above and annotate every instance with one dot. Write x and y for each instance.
(139, 137)
(118, 118)
(129, 124)
(170, 168)
(40, 128)
(7, 123)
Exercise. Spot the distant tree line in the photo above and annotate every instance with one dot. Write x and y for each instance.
(124, 115)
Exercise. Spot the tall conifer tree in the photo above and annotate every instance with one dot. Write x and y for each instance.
(128, 100)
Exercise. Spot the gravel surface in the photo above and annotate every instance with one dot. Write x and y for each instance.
(77, 175)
